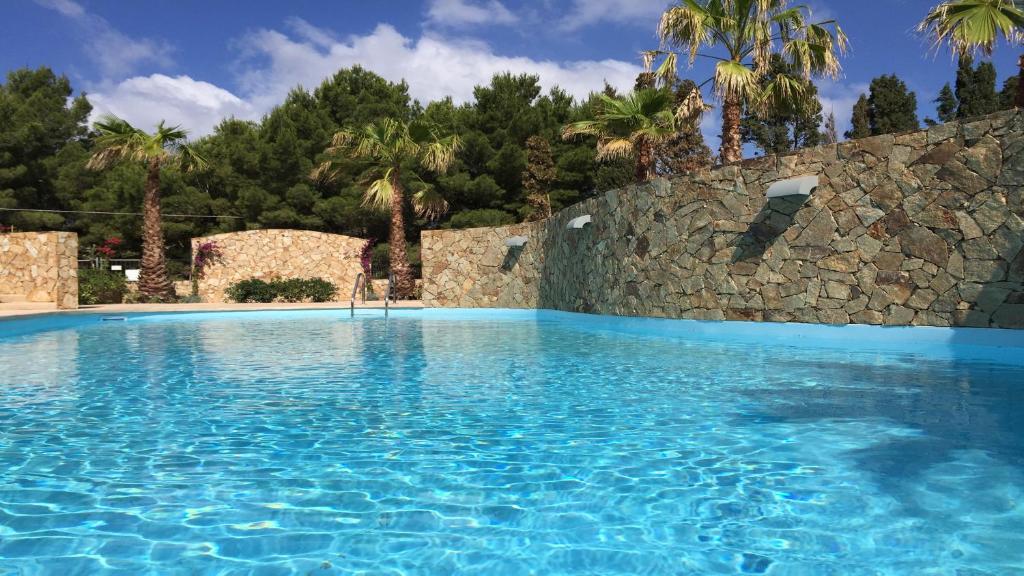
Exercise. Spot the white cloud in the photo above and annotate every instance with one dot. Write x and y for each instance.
(433, 67)
(65, 7)
(115, 53)
(469, 12)
(146, 100)
(839, 98)
(588, 12)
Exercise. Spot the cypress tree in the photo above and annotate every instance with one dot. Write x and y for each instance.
(975, 88)
(860, 123)
(893, 108)
(1008, 95)
(946, 104)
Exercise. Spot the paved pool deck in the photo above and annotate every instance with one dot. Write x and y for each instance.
(12, 309)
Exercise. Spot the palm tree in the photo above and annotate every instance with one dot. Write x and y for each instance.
(971, 26)
(392, 148)
(749, 32)
(630, 126)
(120, 141)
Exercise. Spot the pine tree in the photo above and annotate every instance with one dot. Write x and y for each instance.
(790, 124)
(975, 88)
(946, 104)
(861, 120)
(830, 135)
(686, 151)
(537, 178)
(893, 108)
(1008, 95)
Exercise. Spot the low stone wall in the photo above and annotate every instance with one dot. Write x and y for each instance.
(268, 254)
(39, 267)
(923, 228)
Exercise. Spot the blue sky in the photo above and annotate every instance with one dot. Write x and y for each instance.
(194, 62)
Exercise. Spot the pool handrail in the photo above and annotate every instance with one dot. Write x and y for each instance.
(355, 287)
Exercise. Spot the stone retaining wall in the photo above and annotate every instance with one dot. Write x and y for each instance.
(39, 267)
(268, 254)
(922, 228)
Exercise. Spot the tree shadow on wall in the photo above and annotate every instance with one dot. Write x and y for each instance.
(775, 217)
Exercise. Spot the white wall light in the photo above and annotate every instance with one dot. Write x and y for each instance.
(579, 221)
(800, 186)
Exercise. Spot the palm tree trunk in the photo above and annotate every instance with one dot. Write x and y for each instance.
(644, 161)
(732, 150)
(1019, 100)
(405, 283)
(153, 280)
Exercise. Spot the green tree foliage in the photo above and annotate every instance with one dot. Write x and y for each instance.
(684, 151)
(1008, 95)
(42, 130)
(258, 173)
(537, 178)
(889, 108)
(860, 123)
(946, 104)
(893, 106)
(785, 124)
(975, 89)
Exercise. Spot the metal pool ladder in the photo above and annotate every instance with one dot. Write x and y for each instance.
(355, 287)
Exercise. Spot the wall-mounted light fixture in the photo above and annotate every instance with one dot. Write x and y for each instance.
(799, 186)
(515, 241)
(579, 221)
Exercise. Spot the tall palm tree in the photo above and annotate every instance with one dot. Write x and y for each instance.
(748, 33)
(120, 141)
(971, 26)
(392, 148)
(630, 126)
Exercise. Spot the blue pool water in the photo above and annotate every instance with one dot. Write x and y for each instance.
(500, 443)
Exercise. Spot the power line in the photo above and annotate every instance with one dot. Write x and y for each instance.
(115, 213)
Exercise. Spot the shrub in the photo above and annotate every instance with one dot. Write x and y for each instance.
(101, 287)
(481, 217)
(290, 290)
(320, 290)
(286, 290)
(251, 290)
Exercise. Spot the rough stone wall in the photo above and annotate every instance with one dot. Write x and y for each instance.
(268, 254)
(39, 267)
(922, 228)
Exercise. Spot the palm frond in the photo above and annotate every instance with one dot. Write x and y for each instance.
(614, 148)
(582, 128)
(428, 203)
(439, 154)
(970, 26)
(380, 192)
(691, 108)
(733, 79)
(688, 26)
(190, 160)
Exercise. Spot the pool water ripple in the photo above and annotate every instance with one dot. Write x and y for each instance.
(264, 444)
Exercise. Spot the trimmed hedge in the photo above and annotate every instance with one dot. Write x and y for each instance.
(282, 290)
(101, 286)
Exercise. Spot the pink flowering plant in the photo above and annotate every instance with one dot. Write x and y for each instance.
(105, 250)
(206, 255)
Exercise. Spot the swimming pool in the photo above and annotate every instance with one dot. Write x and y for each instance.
(506, 442)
